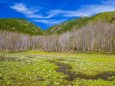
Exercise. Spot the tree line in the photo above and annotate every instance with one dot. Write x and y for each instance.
(96, 36)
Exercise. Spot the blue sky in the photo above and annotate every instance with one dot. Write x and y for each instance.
(46, 13)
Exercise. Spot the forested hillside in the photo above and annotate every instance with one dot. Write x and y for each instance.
(23, 26)
(80, 22)
(98, 36)
(96, 33)
(20, 26)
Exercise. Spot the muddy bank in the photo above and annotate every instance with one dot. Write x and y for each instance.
(64, 68)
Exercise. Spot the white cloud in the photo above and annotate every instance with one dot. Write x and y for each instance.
(30, 12)
(85, 10)
(50, 22)
(33, 13)
(88, 10)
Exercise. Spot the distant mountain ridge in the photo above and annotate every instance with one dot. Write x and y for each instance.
(23, 26)
(79, 22)
(19, 25)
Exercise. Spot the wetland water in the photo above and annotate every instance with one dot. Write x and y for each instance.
(65, 68)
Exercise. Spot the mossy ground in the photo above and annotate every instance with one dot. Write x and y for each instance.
(33, 68)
